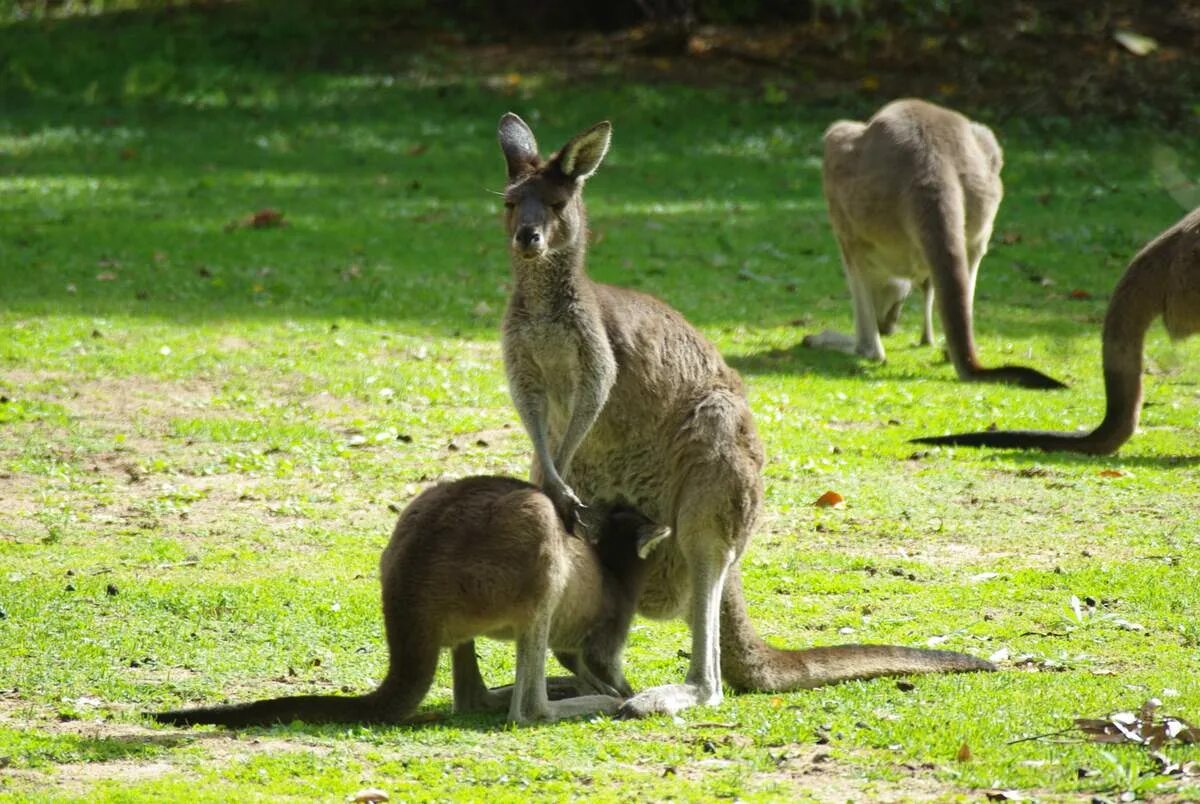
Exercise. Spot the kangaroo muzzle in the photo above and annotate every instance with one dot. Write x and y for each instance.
(529, 242)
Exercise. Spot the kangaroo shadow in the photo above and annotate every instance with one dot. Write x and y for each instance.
(801, 359)
(1035, 457)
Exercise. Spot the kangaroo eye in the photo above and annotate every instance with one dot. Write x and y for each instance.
(559, 207)
(509, 205)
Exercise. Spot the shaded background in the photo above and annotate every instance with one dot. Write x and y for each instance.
(1113, 58)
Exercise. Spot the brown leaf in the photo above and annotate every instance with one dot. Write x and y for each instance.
(964, 753)
(265, 218)
(1140, 728)
(1080, 293)
(830, 499)
(1114, 473)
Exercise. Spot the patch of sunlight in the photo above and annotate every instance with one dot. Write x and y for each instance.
(778, 141)
(65, 138)
(708, 205)
(64, 186)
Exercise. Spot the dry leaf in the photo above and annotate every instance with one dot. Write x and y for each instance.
(964, 753)
(830, 499)
(106, 276)
(1114, 473)
(263, 219)
(1136, 43)
(1079, 293)
(1141, 727)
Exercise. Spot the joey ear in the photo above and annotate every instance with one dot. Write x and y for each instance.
(580, 157)
(518, 144)
(649, 537)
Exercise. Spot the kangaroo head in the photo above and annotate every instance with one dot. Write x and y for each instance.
(544, 198)
(627, 535)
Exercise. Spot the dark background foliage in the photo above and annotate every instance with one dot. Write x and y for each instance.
(1011, 57)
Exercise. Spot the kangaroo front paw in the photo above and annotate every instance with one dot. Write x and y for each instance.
(570, 509)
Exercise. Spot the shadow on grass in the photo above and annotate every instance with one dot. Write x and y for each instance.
(138, 138)
(800, 359)
(1031, 458)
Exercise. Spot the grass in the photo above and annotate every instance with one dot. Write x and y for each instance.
(207, 429)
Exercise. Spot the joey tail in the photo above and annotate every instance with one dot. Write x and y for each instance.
(370, 708)
(413, 657)
(940, 214)
(749, 663)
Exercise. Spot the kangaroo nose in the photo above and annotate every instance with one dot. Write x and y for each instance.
(528, 237)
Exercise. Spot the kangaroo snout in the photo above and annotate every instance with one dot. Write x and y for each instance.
(528, 241)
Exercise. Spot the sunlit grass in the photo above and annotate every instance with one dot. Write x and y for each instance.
(219, 423)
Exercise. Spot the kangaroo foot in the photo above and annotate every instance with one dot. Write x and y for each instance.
(666, 700)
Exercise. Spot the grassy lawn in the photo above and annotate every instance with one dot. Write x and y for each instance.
(206, 429)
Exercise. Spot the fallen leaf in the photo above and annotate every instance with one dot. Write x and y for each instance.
(1079, 293)
(1140, 728)
(1136, 43)
(1114, 473)
(830, 499)
(106, 276)
(266, 218)
(964, 753)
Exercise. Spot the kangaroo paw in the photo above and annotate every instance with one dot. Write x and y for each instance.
(571, 510)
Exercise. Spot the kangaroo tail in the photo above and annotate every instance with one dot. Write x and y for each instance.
(938, 220)
(1025, 439)
(413, 662)
(749, 663)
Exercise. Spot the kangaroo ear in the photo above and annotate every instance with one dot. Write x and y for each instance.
(518, 144)
(580, 157)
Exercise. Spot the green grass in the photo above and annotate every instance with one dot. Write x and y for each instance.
(207, 430)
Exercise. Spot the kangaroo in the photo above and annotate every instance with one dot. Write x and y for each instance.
(1163, 279)
(487, 556)
(912, 195)
(624, 399)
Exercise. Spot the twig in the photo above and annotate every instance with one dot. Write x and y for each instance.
(1043, 736)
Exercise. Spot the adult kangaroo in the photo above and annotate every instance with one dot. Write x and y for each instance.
(912, 195)
(1162, 280)
(487, 556)
(624, 399)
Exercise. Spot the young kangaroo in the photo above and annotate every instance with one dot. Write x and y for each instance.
(912, 195)
(487, 556)
(1163, 279)
(624, 399)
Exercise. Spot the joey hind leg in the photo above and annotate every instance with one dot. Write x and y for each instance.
(470, 692)
(530, 702)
